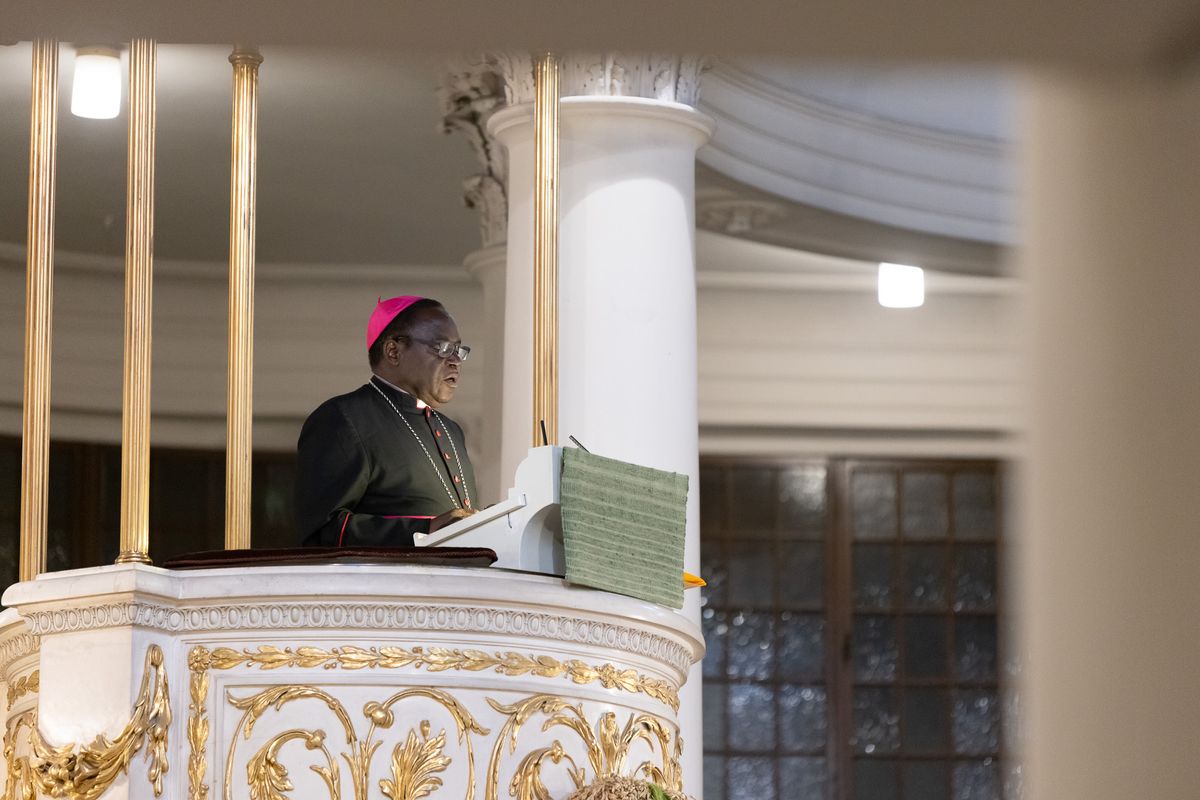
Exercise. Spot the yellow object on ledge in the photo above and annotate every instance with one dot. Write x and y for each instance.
(691, 581)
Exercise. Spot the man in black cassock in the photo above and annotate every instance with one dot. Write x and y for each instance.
(381, 463)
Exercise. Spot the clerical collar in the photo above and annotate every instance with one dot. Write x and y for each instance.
(420, 403)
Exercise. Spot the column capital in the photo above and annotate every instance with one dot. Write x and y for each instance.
(673, 78)
(475, 87)
(472, 89)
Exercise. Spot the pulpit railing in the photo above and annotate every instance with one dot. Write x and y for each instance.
(139, 258)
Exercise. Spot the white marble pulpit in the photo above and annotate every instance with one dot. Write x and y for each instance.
(339, 681)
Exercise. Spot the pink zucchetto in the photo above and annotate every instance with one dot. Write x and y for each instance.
(386, 311)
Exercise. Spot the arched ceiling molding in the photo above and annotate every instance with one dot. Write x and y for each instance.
(722, 261)
(940, 132)
(813, 151)
(727, 262)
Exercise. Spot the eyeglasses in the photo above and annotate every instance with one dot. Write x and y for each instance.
(443, 348)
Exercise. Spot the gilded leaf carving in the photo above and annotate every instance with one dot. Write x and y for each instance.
(86, 772)
(26, 684)
(440, 659)
(197, 726)
(606, 746)
(18, 779)
(414, 765)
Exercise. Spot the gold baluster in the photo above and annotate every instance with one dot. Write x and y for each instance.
(238, 430)
(139, 264)
(545, 248)
(39, 295)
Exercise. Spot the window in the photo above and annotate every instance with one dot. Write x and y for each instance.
(851, 620)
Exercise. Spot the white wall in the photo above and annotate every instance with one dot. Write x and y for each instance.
(310, 324)
(795, 356)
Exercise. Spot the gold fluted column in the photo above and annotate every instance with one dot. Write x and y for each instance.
(139, 261)
(238, 429)
(545, 247)
(39, 291)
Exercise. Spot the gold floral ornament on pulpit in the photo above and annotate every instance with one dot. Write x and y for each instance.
(86, 772)
(416, 761)
(414, 765)
(607, 748)
(620, 787)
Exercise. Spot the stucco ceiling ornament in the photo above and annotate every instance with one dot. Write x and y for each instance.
(472, 89)
(726, 212)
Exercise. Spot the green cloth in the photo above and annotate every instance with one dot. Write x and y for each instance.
(623, 527)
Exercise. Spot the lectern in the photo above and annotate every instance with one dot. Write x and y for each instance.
(525, 529)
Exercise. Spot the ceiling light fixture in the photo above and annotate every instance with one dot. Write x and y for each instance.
(96, 90)
(901, 286)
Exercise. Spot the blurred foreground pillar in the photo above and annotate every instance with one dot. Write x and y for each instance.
(1111, 557)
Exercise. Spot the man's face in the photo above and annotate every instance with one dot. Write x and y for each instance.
(415, 365)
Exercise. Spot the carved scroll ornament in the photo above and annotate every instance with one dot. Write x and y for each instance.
(415, 761)
(418, 757)
(606, 746)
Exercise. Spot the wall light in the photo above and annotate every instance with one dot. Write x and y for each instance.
(901, 286)
(96, 90)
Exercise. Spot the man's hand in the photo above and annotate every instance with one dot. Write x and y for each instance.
(449, 518)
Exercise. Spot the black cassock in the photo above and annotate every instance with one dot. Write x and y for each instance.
(363, 479)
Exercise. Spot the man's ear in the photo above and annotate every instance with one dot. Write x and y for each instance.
(392, 351)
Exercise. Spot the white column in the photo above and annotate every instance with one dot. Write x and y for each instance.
(1111, 554)
(627, 310)
(517, 404)
(487, 266)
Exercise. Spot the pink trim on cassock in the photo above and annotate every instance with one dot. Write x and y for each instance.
(342, 534)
